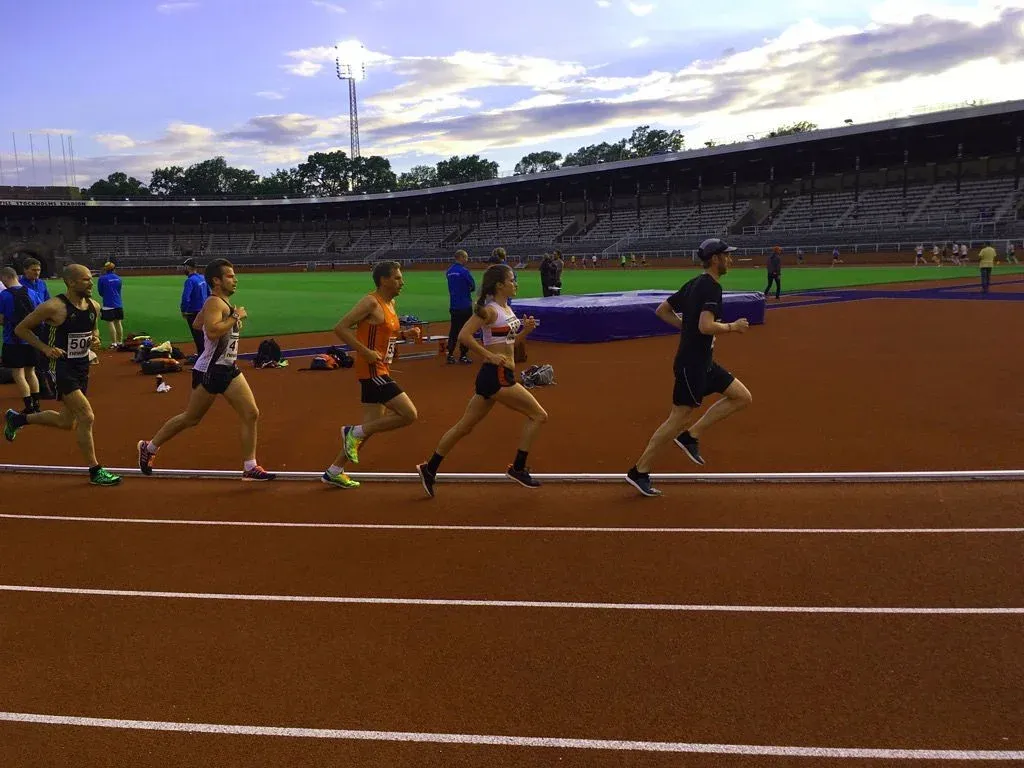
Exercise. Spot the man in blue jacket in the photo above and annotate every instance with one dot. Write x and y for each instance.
(30, 271)
(193, 296)
(460, 305)
(111, 306)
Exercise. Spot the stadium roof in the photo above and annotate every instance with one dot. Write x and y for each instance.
(1009, 114)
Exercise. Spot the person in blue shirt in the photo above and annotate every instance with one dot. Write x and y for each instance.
(460, 304)
(17, 303)
(30, 271)
(193, 296)
(111, 306)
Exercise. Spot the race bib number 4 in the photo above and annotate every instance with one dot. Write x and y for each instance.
(78, 345)
(231, 353)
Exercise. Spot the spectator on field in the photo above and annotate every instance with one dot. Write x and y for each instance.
(193, 296)
(20, 357)
(559, 262)
(111, 306)
(460, 304)
(31, 268)
(1011, 255)
(986, 261)
(774, 272)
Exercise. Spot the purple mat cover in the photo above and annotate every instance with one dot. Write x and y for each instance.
(599, 317)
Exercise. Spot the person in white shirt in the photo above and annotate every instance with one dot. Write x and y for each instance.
(963, 254)
(1011, 257)
(919, 255)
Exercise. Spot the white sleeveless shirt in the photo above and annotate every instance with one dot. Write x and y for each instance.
(504, 328)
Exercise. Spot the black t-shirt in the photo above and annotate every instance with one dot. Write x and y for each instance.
(701, 294)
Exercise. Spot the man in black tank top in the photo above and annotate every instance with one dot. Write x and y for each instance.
(71, 318)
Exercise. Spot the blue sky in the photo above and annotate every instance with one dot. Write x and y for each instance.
(145, 83)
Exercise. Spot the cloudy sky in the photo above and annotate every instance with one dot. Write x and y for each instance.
(144, 83)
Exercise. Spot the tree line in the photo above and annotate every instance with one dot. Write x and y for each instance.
(332, 174)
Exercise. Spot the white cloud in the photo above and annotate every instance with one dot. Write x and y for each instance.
(460, 103)
(640, 9)
(639, 42)
(175, 7)
(332, 7)
(604, 3)
(272, 95)
(304, 68)
(115, 141)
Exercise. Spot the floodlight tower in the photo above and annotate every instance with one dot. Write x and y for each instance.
(351, 71)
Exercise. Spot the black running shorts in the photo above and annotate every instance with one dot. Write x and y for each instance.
(492, 378)
(695, 382)
(216, 379)
(379, 390)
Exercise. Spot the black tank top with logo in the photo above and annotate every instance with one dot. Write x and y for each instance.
(74, 335)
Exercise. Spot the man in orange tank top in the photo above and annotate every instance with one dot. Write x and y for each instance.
(371, 329)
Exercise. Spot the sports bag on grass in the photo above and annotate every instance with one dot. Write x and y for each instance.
(158, 365)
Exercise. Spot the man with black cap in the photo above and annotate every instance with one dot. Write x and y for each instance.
(193, 296)
(696, 373)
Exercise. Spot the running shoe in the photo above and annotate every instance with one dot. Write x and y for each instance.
(340, 480)
(146, 457)
(13, 422)
(351, 443)
(691, 447)
(103, 477)
(257, 474)
(427, 478)
(642, 482)
(522, 476)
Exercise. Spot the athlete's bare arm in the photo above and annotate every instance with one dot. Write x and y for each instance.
(344, 330)
(51, 311)
(666, 313)
(711, 327)
(217, 317)
(474, 324)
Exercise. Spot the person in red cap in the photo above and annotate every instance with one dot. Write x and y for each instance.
(696, 373)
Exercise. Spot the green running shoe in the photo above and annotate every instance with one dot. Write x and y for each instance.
(103, 477)
(352, 443)
(340, 480)
(11, 426)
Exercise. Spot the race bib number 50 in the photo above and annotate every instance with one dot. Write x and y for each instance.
(78, 345)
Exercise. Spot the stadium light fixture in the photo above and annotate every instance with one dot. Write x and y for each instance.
(350, 65)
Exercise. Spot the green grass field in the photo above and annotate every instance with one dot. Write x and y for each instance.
(296, 303)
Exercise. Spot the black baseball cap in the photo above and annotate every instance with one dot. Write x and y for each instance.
(189, 262)
(712, 247)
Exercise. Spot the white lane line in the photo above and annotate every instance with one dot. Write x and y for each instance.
(617, 745)
(504, 528)
(559, 604)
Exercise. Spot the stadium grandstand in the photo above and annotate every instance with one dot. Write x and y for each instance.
(952, 176)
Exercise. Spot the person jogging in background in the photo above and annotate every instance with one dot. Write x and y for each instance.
(460, 304)
(111, 306)
(193, 297)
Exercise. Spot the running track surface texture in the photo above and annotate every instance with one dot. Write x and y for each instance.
(183, 622)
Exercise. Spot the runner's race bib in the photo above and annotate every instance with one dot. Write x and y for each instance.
(231, 353)
(390, 356)
(79, 345)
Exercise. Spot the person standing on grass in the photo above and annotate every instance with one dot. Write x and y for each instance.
(496, 382)
(71, 319)
(774, 272)
(371, 328)
(460, 304)
(111, 308)
(986, 261)
(16, 303)
(193, 298)
(216, 372)
(696, 373)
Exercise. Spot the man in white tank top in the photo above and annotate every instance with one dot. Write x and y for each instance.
(216, 373)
